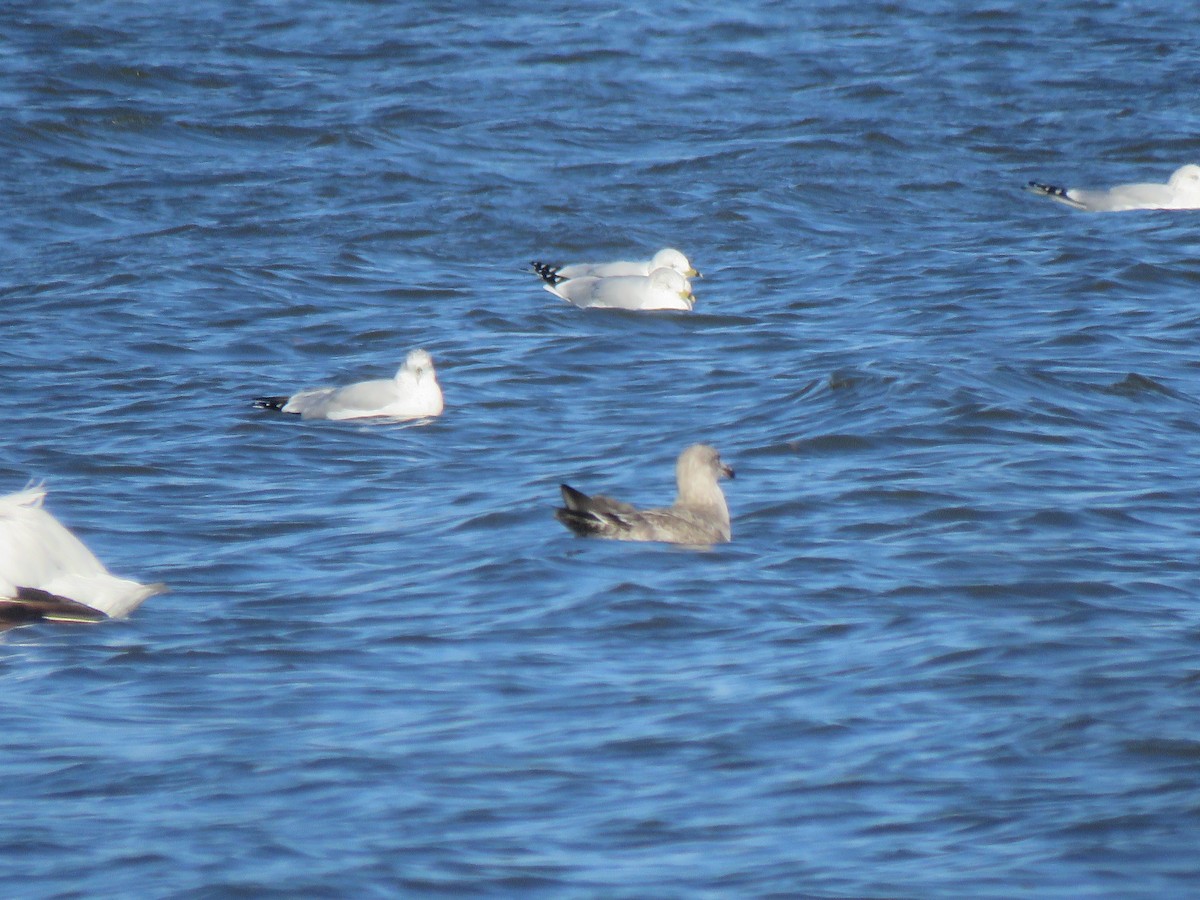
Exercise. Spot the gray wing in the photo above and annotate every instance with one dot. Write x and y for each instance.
(605, 517)
(364, 396)
(676, 526)
(604, 270)
(324, 403)
(310, 403)
(618, 292)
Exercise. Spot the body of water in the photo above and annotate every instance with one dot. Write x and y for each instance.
(954, 647)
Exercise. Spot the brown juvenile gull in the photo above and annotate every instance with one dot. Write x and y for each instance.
(47, 573)
(1181, 192)
(698, 516)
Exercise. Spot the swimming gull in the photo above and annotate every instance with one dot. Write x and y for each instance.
(661, 289)
(413, 394)
(47, 573)
(667, 258)
(698, 517)
(1181, 192)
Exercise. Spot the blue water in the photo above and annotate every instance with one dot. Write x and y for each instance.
(954, 647)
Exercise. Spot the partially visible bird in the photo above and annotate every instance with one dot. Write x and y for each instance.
(47, 573)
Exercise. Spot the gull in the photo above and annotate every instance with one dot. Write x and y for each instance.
(47, 573)
(698, 517)
(413, 394)
(1181, 192)
(662, 289)
(667, 258)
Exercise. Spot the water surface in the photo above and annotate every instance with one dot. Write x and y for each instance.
(952, 649)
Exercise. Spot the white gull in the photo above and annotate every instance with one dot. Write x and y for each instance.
(1182, 191)
(667, 258)
(661, 289)
(413, 393)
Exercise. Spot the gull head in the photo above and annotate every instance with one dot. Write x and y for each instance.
(669, 280)
(1186, 179)
(418, 365)
(700, 463)
(669, 258)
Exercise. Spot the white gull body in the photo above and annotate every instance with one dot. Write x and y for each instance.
(661, 289)
(414, 393)
(667, 258)
(1182, 191)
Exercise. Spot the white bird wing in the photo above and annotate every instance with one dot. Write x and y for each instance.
(366, 398)
(310, 403)
(619, 292)
(604, 270)
(35, 547)
(397, 398)
(362, 399)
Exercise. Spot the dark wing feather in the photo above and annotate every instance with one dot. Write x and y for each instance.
(1054, 192)
(583, 524)
(32, 605)
(588, 516)
(547, 272)
(575, 500)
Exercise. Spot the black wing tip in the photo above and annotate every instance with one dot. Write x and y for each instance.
(576, 501)
(1050, 190)
(547, 272)
(274, 403)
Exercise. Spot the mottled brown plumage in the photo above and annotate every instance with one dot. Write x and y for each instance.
(699, 515)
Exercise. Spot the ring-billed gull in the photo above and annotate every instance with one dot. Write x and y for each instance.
(667, 258)
(1181, 192)
(47, 573)
(698, 516)
(413, 394)
(661, 289)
